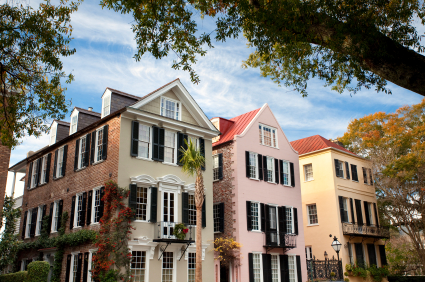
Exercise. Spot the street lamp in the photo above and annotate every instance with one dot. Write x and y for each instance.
(337, 246)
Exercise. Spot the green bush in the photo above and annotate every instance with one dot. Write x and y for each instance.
(14, 277)
(38, 271)
(406, 278)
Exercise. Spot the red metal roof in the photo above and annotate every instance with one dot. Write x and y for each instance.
(239, 125)
(315, 143)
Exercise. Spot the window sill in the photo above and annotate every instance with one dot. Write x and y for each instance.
(217, 232)
(271, 182)
(98, 162)
(289, 186)
(141, 221)
(80, 169)
(57, 178)
(257, 231)
(256, 179)
(53, 232)
(316, 224)
(309, 180)
(269, 146)
(144, 159)
(77, 227)
(94, 224)
(171, 164)
(216, 180)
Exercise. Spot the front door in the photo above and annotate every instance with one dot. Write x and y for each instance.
(168, 217)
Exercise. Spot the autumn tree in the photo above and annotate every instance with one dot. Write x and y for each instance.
(349, 44)
(32, 43)
(394, 143)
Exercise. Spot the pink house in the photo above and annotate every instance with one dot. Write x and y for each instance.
(257, 199)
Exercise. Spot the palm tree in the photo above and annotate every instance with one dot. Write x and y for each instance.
(193, 162)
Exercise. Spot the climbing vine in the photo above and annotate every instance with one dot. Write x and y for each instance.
(114, 233)
(9, 240)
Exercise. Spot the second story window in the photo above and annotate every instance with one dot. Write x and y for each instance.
(308, 172)
(270, 170)
(60, 162)
(255, 216)
(170, 108)
(289, 221)
(79, 208)
(216, 216)
(34, 173)
(354, 174)
(252, 165)
(99, 145)
(286, 175)
(339, 168)
(215, 167)
(268, 135)
(192, 210)
(312, 214)
(169, 146)
(44, 169)
(144, 141)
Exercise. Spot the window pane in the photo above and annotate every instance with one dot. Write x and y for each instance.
(167, 267)
(169, 147)
(192, 210)
(216, 215)
(144, 141)
(257, 267)
(285, 169)
(138, 263)
(142, 202)
(291, 268)
(270, 168)
(308, 172)
(191, 265)
(253, 165)
(96, 205)
(312, 214)
(254, 216)
(99, 147)
(289, 220)
(215, 167)
(275, 268)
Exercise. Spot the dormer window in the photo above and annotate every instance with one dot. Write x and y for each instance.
(53, 130)
(170, 108)
(74, 121)
(106, 105)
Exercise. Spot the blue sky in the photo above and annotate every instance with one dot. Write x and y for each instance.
(105, 47)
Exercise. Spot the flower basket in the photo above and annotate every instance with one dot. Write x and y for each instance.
(180, 231)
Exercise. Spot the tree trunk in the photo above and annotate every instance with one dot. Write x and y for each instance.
(199, 200)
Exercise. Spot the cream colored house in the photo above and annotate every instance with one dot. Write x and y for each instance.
(338, 198)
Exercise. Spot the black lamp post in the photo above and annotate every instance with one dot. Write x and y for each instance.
(337, 246)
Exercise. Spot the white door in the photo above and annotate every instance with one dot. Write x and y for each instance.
(168, 216)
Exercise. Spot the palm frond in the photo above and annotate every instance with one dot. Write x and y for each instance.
(191, 159)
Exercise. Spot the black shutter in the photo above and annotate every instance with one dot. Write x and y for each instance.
(352, 211)
(158, 144)
(38, 181)
(295, 220)
(185, 208)
(77, 143)
(366, 212)
(354, 173)
(154, 204)
(65, 154)
(29, 175)
(341, 209)
(204, 214)
(382, 255)
(82, 216)
(86, 266)
(248, 173)
(267, 267)
(265, 211)
(292, 174)
(220, 166)
(251, 267)
(180, 145)
(372, 254)
(359, 254)
(347, 170)
(89, 206)
(284, 268)
(359, 212)
(132, 200)
(282, 220)
(102, 203)
(276, 171)
(221, 213)
(80, 261)
(24, 225)
(161, 135)
(87, 151)
(248, 216)
(60, 214)
(364, 175)
(299, 275)
(337, 168)
(265, 176)
(376, 215)
(202, 149)
(55, 164)
(263, 217)
(370, 176)
(93, 146)
(42, 217)
(51, 217)
(105, 142)
(68, 267)
(34, 213)
(281, 171)
(71, 221)
(134, 151)
(49, 158)
(260, 166)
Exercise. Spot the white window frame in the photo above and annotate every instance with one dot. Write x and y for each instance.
(109, 96)
(145, 278)
(344, 174)
(292, 221)
(55, 217)
(80, 150)
(61, 152)
(71, 273)
(91, 251)
(188, 210)
(188, 261)
(74, 123)
(289, 173)
(256, 165)
(43, 169)
(306, 173)
(261, 265)
(76, 212)
(174, 265)
(272, 169)
(27, 229)
(147, 204)
(271, 130)
(216, 167)
(278, 266)
(163, 100)
(149, 142)
(96, 150)
(259, 216)
(308, 252)
(175, 147)
(34, 173)
(216, 206)
(53, 133)
(39, 218)
(295, 267)
(308, 215)
(93, 206)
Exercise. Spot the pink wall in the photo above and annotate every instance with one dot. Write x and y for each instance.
(264, 192)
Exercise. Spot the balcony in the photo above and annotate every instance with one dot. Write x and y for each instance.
(166, 231)
(354, 229)
(274, 239)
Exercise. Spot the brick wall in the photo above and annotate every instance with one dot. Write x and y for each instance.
(118, 102)
(223, 189)
(4, 166)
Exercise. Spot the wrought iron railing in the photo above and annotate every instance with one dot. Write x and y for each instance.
(278, 239)
(364, 230)
(175, 231)
(322, 269)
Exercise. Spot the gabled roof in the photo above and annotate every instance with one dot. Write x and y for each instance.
(315, 143)
(84, 111)
(239, 125)
(118, 92)
(62, 122)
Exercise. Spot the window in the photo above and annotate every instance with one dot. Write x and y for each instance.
(39, 221)
(270, 170)
(255, 216)
(354, 175)
(60, 162)
(268, 136)
(256, 259)
(272, 216)
(138, 266)
(106, 110)
(28, 228)
(78, 209)
(170, 108)
(142, 203)
(195, 141)
(370, 177)
(350, 253)
(75, 268)
(215, 168)
(286, 175)
(43, 169)
(340, 169)
(370, 207)
(82, 152)
(169, 145)
(34, 173)
(53, 130)
(55, 218)
(253, 168)
(191, 265)
(292, 268)
(275, 268)
(312, 214)
(308, 172)
(345, 206)
(74, 120)
(216, 214)
(167, 266)
(364, 175)
(144, 141)
(99, 145)
(289, 221)
(96, 205)
(308, 253)
(192, 209)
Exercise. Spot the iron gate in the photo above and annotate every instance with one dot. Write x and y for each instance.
(322, 269)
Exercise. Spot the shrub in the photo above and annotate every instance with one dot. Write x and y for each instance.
(14, 277)
(38, 271)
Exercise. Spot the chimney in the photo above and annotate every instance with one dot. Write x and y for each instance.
(90, 109)
(30, 153)
(337, 142)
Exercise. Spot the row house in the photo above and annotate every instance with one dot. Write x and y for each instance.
(338, 198)
(257, 199)
(133, 141)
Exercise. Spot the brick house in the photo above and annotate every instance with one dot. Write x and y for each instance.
(134, 141)
(257, 199)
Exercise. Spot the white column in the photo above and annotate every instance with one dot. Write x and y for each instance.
(13, 184)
